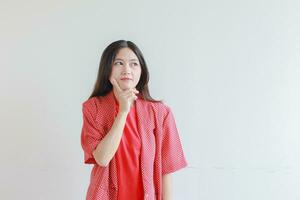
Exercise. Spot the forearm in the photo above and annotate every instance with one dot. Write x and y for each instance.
(167, 187)
(108, 146)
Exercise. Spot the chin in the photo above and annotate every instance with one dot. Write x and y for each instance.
(126, 87)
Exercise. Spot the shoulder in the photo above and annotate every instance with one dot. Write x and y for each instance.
(92, 104)
(159, 108)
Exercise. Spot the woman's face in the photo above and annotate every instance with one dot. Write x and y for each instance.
(126, 69)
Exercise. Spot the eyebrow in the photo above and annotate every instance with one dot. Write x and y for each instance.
(129, 60)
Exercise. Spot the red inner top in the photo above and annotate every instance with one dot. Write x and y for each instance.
(130, 184)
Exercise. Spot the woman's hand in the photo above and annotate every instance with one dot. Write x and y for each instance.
(124, 97)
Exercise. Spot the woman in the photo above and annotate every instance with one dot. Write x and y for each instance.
(131, 139)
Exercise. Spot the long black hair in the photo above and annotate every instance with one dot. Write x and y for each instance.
(104, 86)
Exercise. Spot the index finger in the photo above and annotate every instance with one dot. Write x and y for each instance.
(115, 83)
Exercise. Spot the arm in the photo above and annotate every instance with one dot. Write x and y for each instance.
(108, 146)
(167, 187)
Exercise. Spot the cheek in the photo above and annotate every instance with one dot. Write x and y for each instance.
(138, 76)
(137, 73)
(114, 72)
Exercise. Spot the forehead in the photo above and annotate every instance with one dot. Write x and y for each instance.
(126, 54)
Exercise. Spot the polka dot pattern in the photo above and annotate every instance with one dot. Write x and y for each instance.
(161, 151)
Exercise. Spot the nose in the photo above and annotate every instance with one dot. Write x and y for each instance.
(126, 69)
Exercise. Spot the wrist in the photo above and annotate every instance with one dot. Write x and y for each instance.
(122, 112)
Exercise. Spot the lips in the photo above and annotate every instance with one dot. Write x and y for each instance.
(124, 79)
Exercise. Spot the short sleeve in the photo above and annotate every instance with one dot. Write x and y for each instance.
(91, 134)
(173, 157)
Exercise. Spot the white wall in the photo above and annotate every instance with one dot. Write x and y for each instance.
(228, 69)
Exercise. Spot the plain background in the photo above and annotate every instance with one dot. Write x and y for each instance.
(229, 70)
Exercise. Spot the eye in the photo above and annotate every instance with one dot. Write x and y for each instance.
(135, 64)
(117, 63)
